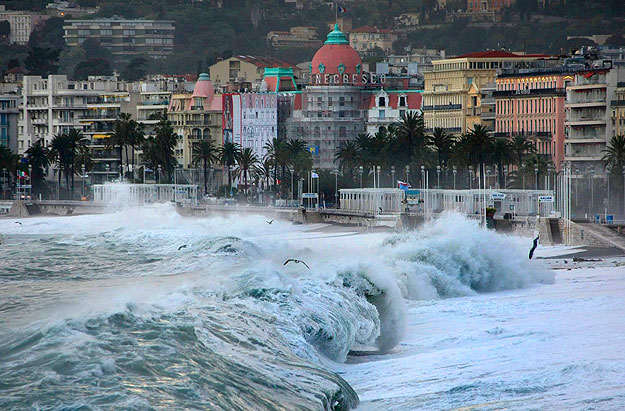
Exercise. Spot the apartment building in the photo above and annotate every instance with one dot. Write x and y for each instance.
(55, 105)
(532, 104)
(617, 105)
(124, 38)
(447, 101)
(195, 116)
(300, 36)
(20, 22)
(366, 40)
(589, 113)
(9, 116)
(249, 69)
(387, 107)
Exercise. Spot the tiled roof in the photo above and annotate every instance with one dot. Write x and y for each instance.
(369, 29)
(498, 54)
(265, 61)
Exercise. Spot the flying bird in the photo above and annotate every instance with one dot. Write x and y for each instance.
(269, 222)
(296, 261)
(17, 222)
(534, 246)
(182, 246)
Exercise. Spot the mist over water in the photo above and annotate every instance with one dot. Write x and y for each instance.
(106, 310)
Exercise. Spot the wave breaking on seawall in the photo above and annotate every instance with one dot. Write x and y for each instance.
(221, 324)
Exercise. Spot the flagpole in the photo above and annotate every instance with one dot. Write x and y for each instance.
(336, 13)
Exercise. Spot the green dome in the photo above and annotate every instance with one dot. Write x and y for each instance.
(204, 76)
(336, 36)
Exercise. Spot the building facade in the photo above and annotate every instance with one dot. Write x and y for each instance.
(195, 117)
(589, 115)
(300, 36)
(366, 39)
(124, 38)
(387, 107)
(532, 104)
(21, 25)
(447, 103)
(240, 69)
(9, 116)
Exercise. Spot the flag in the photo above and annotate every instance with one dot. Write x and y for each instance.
(342, 9)
(314, 175)
(22, 174)
(403, 186)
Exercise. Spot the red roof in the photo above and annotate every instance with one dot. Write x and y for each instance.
(369, 29)
(17, 70)
(498, 54)
(265, 61)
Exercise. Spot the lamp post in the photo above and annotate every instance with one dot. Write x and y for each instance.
(4, 182)
(407, 174)
(393, 182)
(592, 188)
(360, 171)
(30, 181)
(549, 170)
(470, 177)
(438, 176)
(107, 168)
(536, 176)
(379, 170)
(423, 177)
(576, 178)
(505, 176)
(82, 169)
(608, 169)
(159, 168)
(487, 177)
(455, 171)
(336, 187)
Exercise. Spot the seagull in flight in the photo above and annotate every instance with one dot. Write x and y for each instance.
(17, 222)
(296, 261)
(269, 222)
(534, 246)
(182, 246)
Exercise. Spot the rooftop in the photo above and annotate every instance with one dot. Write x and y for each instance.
(369, 29)
(498, 54)
(265, 62)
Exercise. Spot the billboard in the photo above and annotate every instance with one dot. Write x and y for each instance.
(231, 118)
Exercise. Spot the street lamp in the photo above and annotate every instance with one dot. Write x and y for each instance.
(438, 176)
(379, 169)
(159, 168)
(30, 180)
(336, 187)
(407, 174)
(455, 171)
(470, 177)
(107, 168)
(576, 178)
(592, 188)
(393, 176)
(536, 176)
(4, 182)
(360, 171)
(487, 177)
(423, 177)
(505, 176)
(608, 169)
(82, 169)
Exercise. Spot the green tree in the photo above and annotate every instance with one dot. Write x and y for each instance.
(246, 160)
(206, 153)
(228, 155)
(478, 146)
(135, 69)
(347, 157)
(521, 147)
(442, 144)
(38, 157)
(77, 144)
(411, 133)
(614, 158)
(42, 61)
(501, 154)
(60, 153)
(92, 67)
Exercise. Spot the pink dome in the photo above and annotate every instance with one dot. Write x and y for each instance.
(204, 88)
(337, 57)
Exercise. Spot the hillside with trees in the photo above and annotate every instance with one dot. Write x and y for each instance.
(205, 33)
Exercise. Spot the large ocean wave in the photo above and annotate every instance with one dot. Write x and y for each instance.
(110, 312)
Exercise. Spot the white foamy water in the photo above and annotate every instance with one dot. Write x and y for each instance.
(114, 301)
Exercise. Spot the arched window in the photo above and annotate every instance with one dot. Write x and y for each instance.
(381, 102)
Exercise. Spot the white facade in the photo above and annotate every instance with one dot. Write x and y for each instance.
(21, 25)
(387, 109)
(259, 121)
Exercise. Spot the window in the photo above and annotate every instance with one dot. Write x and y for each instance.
(402, 101)
(129, 32)
(107, 32)
(381, 102)
(381, 114)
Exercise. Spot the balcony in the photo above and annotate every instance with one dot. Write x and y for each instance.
(96, 116)
(585, 121)
(442, 107)
(617, 103)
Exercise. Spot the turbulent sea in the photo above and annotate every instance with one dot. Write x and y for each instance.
(109, 312)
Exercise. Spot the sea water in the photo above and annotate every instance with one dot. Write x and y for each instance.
(143, 308)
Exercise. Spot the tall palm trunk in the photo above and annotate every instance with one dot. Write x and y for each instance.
(59, 186)
(205, 182)
(72, 171)
(121, 162)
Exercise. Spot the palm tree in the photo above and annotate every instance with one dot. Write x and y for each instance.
(501, 154)
(263, 170)
(614, 157)
(77, 143)
(411, 132)
(478, 145)
(39, 158)
(228, 155)
(165, 141)
(347, 157)
(10, 161)
(246, 160)
(536, 165)
(442, 143)
(204, 152)
(277, 152)
(60, 148)
(121, 136)
(521, 146)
